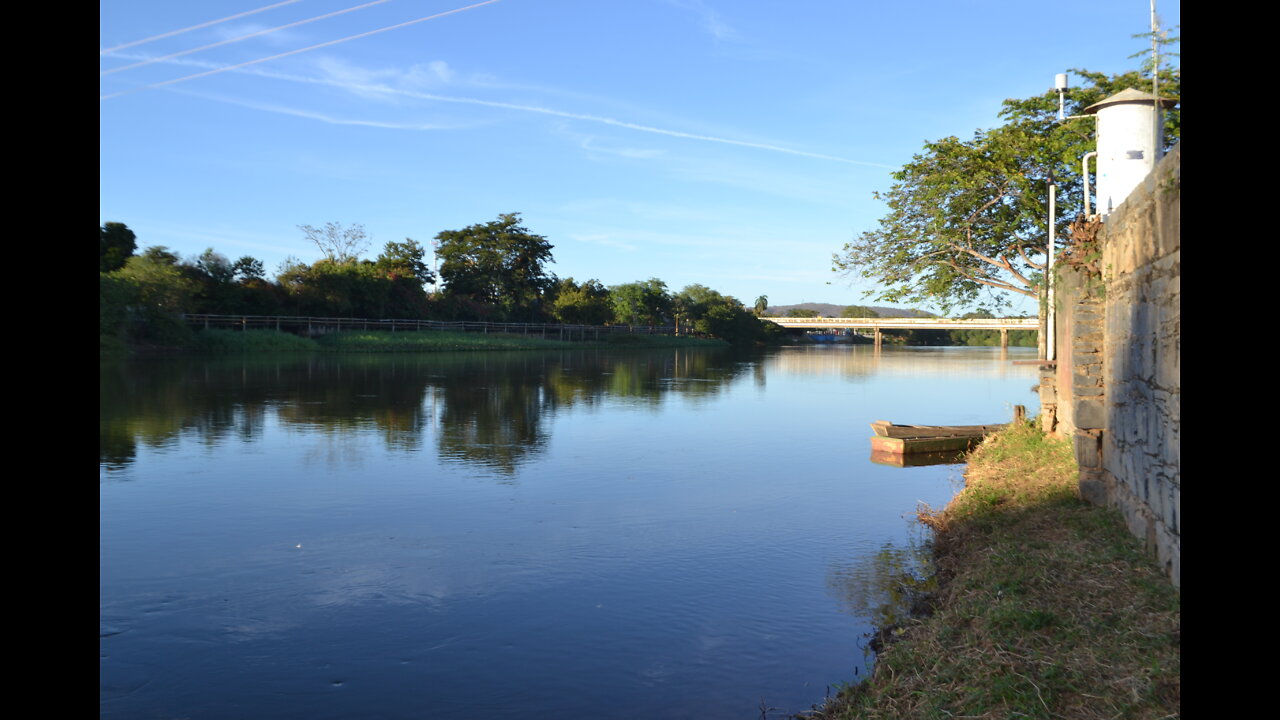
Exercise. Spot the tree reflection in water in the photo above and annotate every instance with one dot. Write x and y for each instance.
(884, 586)
(484, 408)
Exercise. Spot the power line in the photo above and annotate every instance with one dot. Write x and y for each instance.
(242, 37)
(295, 52)
(195, 27)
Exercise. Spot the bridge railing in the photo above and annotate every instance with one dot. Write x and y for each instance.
(908, 323)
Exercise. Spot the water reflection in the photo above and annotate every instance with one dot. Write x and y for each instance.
(489, 410)
(861, 362)
(886, 586)
(918, 459)
(582, 534)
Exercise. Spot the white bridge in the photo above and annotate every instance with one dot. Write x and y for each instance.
(1004, 325)
(908, 323)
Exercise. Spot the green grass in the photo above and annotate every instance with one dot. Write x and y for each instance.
(1046, 606)
(427, 341)
(435, 341)
(251, 341)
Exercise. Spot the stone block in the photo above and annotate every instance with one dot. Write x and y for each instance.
(1088, 449)
(1090, 413)
(1093, 488)
(1088, 361)
(1081, 382)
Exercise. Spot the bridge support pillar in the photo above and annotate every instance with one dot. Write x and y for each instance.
(1004, 337)
(878, 338)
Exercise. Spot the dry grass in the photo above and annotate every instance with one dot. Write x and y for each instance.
(1046, 608)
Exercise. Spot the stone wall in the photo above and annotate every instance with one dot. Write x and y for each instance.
(1116, 388)
(1082, 404)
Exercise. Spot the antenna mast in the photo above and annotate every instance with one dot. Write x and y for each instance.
(1155, 82)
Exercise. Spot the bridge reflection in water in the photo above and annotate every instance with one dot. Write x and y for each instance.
(864, 360)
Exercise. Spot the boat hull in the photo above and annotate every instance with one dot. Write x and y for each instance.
(900, 446)
(884, 428)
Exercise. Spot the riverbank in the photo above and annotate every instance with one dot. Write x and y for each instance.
(235, 341)
(1045, 606)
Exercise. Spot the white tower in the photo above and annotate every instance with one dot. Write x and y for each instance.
(1129, 144)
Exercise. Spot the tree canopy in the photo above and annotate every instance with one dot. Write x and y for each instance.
(116, 243)
(967, 219)
(499, 263)
(406, 260)
(489, 270)
(641, 303)
(581, 304)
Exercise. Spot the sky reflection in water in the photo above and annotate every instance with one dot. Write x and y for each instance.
(657, 534)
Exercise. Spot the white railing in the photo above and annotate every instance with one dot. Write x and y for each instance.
(910, 323)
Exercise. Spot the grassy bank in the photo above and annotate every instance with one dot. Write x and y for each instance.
(381, 341)
(254, 341)
(1045, 607)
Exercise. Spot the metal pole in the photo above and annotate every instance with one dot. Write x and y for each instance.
(1084, 173)
(1155, 83)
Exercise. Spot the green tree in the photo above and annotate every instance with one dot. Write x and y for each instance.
(350, 289)
(213, 277)
(159, 281)
(707, 312)
(216, 266)
(115, 296)
(116, 244)
(155, 289)
(641, 303)
(762, 304)
(407, 260)
(732, 322)
(585, 304)
(967, 219)
(248, 268)
(499, 263)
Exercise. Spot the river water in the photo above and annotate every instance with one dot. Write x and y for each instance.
(588, 534)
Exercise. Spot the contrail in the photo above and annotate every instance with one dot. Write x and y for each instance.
(243, 37)
(319, 116)
(580, 116)
(530, 109)
(195, 27)
(295, 52)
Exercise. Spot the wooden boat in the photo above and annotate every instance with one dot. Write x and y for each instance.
(884, 428)
(900, 446)
(893, 439)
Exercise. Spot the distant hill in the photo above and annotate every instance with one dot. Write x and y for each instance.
(829, 310)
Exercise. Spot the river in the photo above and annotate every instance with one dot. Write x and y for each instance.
(588, 534)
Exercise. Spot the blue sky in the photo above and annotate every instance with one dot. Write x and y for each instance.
(735, 144)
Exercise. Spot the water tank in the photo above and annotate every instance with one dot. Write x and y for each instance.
(1129, 144)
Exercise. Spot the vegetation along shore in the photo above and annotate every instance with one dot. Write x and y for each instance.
(1040, 605)
(489, 272)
